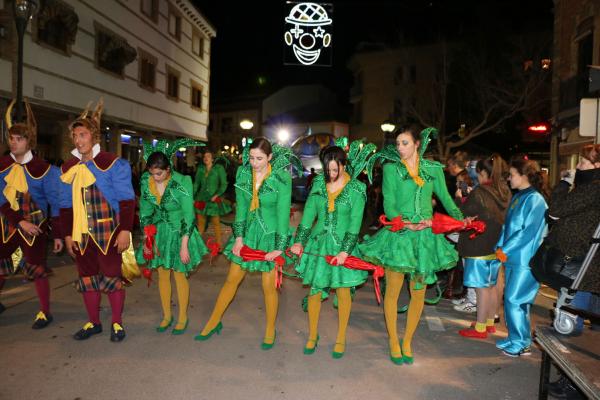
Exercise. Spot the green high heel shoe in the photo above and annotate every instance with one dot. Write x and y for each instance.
(161, 329)
(308, 350)
(268, 346)
(338, 354)
(180, 331)
(406, 359)
(216, 329)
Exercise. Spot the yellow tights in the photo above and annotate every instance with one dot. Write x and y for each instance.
(232, 282)
(183, 296)
(201, 223)
(394, 281)
(314, 309)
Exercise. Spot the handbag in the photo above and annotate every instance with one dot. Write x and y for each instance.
(552, 267)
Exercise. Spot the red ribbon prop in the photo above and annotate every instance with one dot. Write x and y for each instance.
(396, 223)
(200, 205)
(150, 243)
(213, 247)
(250, 254)
(147, 273)
(218, 200)
(359, 264)
(442, 223)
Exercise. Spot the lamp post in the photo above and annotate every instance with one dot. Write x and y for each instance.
(23, 10)
(246, 125)
(387, 126)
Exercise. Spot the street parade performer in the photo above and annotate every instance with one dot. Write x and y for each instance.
(171, 241)
(209, 186)
(337, 200)
(28, 185)
(97, 205)
(263, 193)
(409, 246)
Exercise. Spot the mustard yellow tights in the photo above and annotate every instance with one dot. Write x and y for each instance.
(314, 309)
(201, 223)
(394, 281)
(183, 296)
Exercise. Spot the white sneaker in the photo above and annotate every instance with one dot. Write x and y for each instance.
(458, 302)
(466, 307)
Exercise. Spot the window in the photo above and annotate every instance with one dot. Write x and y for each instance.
(198, 44)
(147, 70)
(112, 51)
(399, 76)
(57, 26)
(174, 24)
(172, 83)
(150, 9)
(196, 100)
(413, 74)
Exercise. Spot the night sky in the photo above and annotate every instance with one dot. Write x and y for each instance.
(249, 42)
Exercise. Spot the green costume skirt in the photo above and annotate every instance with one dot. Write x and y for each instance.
(321, 276)
(418, 253)
(168, 244)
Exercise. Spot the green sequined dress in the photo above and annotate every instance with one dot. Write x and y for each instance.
(419, 253)
(174, 218)
(333, 233)
(208, 185)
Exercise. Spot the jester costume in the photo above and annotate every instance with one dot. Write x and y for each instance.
(522, 234)
(28, 188)
(172, 217)
(339, 219)
(262, 222)
(97, 203)
(420, 253)
(208, 184)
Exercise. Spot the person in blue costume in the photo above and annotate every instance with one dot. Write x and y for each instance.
(28, 185)
(522, 233)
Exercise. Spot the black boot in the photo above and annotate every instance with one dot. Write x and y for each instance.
(563, 388)
(42, 320)
(87, 331)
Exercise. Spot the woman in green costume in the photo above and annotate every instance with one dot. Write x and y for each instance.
(337, 201)
(409, 183)
(209, 186)
(167, 207)
(263, 189)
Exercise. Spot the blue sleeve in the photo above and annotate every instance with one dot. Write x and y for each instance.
(65, 198)
(51, 185)
(120, 175)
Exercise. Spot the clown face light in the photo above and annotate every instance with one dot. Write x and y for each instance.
(308, 34)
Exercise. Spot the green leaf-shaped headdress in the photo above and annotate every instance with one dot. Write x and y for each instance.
(282, 157)
(169, 147)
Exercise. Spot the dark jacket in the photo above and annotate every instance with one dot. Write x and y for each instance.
(574, 215)
(485, 204)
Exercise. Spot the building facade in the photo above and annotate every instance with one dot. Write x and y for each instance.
(148, 59)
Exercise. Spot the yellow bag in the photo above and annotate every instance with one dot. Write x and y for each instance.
(17, 257)
(129, 268)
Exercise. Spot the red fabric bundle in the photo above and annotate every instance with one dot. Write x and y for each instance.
(357, 263)
(200, 205)
(442, 223)
(147, 273)
(250, 254)
(149, 243)
(396, 223)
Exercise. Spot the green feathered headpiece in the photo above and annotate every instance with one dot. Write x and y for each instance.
(426, 135)
(359, 154)
(282, 157)
(169, 147)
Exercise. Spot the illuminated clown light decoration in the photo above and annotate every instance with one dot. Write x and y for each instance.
(309, 31)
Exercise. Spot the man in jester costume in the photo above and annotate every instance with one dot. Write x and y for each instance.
(97, 206)
(171, 241)
(337, 200)
(28, 187)
(409, 246)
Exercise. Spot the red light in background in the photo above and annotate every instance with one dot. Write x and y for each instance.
(539, 129)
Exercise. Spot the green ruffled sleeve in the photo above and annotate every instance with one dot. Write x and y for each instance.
(310, 212)
(146, 207)
(186, 202)
(358, 199)
(221, 179)
(390, 190)
(284, 203)
(441, 191)
(242, 204)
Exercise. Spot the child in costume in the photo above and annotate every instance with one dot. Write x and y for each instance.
(28, 185)
(337, 200)
(97, 209)
(263, 194)
(488, 202)
(409, 183)
(522, 234)
(209, 186)
(171, 241)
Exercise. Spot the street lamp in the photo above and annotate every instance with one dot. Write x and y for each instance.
(23, 10)
(283, 135)
(387, 126)
(246, 124)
